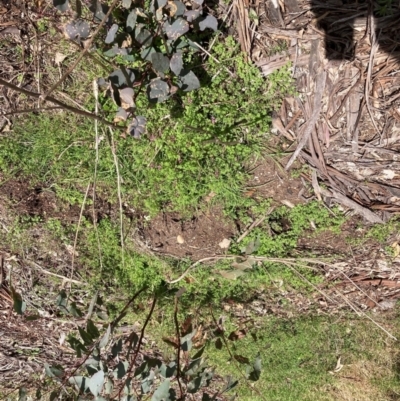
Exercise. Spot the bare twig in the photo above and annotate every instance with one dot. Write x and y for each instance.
(55, 101)
(66, 279)
(121, 213)
(255, 224)
(139, 344)
(77, 229)
(178, 353)
(96, 162)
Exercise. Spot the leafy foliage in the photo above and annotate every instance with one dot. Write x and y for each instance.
(111, 368)
(155, 39)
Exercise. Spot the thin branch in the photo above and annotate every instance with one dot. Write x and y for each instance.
(77, 229)
(96, 162)
(88, 45)
(59, 103)
(34, 110)
(132, 364)
(121, 213)
(178, 356)
(70, 280)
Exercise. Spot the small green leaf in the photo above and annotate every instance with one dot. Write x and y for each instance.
(121, 369)
(160, 62)
(230, 385)
(192, 15)
(176, 63)
(53, 395)
(96, 383)
(169, 370)
(80, 382)
(19, 303)
(22, 395)
(162, 393)
(178, 28)
(104, 340)
(158, 91)
(131, 21)
(188, 81)
(254, 372)
(116, 348)
(74, 310)
(208, 22)
(86, 337)
(111, 34)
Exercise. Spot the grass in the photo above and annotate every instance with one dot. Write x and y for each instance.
(299, 355)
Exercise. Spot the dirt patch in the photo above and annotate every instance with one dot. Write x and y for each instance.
(195, 238)
(270, 181)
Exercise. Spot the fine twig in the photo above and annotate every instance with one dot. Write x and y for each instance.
(255, 224)
(88, 46)
(121, 212)
(178, 353)
(44, 271)
(58, 102)
(77, 230)
(96, 162)
(139, 344)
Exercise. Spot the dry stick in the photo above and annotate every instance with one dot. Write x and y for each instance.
(96, 162)
(178, 356)
(77, 229)
(34, 264)
(319, 90)
(53, 100)
(186, 272)
(82, 54)
(121, 215)
(374, 46)
(255, 224)
(36, 109)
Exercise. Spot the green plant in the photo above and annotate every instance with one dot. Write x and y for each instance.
(153, 40)
(111, 367)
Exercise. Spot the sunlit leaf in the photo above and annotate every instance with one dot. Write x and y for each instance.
(188, 81)
(178, 28)
(18, 303)
(162, 393)
(208, 22)
(192, 15)
(104, 340)
(96, 383)
(81, 383)
(176, 63)
(111, 34)
(254, 371)
(160, 62)
(158, 91)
